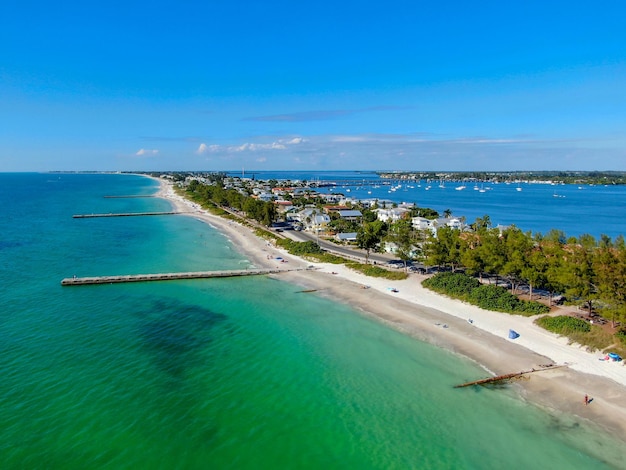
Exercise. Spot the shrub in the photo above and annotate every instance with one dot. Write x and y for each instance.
(498, 298)
(309, 249)
(563, 324)
(621, 335)
(304, 248)
(489, 297)
(377, 271)
(453, 284)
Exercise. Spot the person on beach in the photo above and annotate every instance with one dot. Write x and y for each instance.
(586, 399)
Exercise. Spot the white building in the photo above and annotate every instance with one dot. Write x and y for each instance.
(392, 215)
(312, 219)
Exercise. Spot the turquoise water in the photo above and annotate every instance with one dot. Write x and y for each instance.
(223, 373)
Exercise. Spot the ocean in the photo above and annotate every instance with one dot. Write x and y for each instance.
(243, 373)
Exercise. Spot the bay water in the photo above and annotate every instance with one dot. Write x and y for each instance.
(243, 373)
(536, 207)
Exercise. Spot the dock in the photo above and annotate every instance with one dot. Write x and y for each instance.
(125, 214)
(83, 281)
(128, 196)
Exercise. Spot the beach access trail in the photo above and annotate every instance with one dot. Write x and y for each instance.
(444, 322)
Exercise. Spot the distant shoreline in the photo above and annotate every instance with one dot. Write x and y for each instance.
(421, 313)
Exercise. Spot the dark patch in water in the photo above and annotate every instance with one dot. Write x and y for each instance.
(9, 244)
(174, 333)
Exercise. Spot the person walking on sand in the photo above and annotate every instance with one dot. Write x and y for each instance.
(586, 399)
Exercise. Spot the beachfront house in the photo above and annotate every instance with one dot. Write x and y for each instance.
(377, 203)
(312, 219)
(331, 198)
(422, 223)
(350, 215)
(392, 247)
(393, 214)
(283, 207)
(349, 237)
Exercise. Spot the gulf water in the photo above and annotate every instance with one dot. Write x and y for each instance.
(223, 373)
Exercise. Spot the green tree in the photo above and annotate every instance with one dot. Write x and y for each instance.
(471, 254)
(609, 266)
(369, 236)
(517, 248)
(400, 233)
(576, 273)
(444, 248)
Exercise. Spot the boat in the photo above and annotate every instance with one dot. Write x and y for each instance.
(460, 188)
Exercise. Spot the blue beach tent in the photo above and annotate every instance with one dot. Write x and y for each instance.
(513, 334)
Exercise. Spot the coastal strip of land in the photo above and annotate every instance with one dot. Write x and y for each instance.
(409, 307)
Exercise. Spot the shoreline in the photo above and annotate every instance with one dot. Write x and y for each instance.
(421, 313)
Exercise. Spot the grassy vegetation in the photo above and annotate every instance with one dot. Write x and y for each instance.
(377, 271)
(495, 298)
(593, 337)
(309, 250)
(563, 324)
(266, 234)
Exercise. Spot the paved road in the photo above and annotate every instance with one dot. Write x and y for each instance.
(300, 236)
(346, 251)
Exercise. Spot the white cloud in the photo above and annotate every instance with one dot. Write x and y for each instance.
(204, 148)
(257, 147)
(280, 144)
(294, 141)
(146, 152)
(349, 138)
(261, 159)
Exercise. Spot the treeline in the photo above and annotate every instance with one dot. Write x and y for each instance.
(561, 177)
(488, 297)
(585, 270)
(216, 195)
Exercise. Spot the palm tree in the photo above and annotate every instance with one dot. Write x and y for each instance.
(317, 235)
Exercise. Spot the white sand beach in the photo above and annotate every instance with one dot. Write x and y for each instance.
(423, 314)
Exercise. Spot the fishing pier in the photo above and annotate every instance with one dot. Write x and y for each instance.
(125, 214)
(84, 281)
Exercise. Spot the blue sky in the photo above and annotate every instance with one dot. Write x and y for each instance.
(395, 85)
